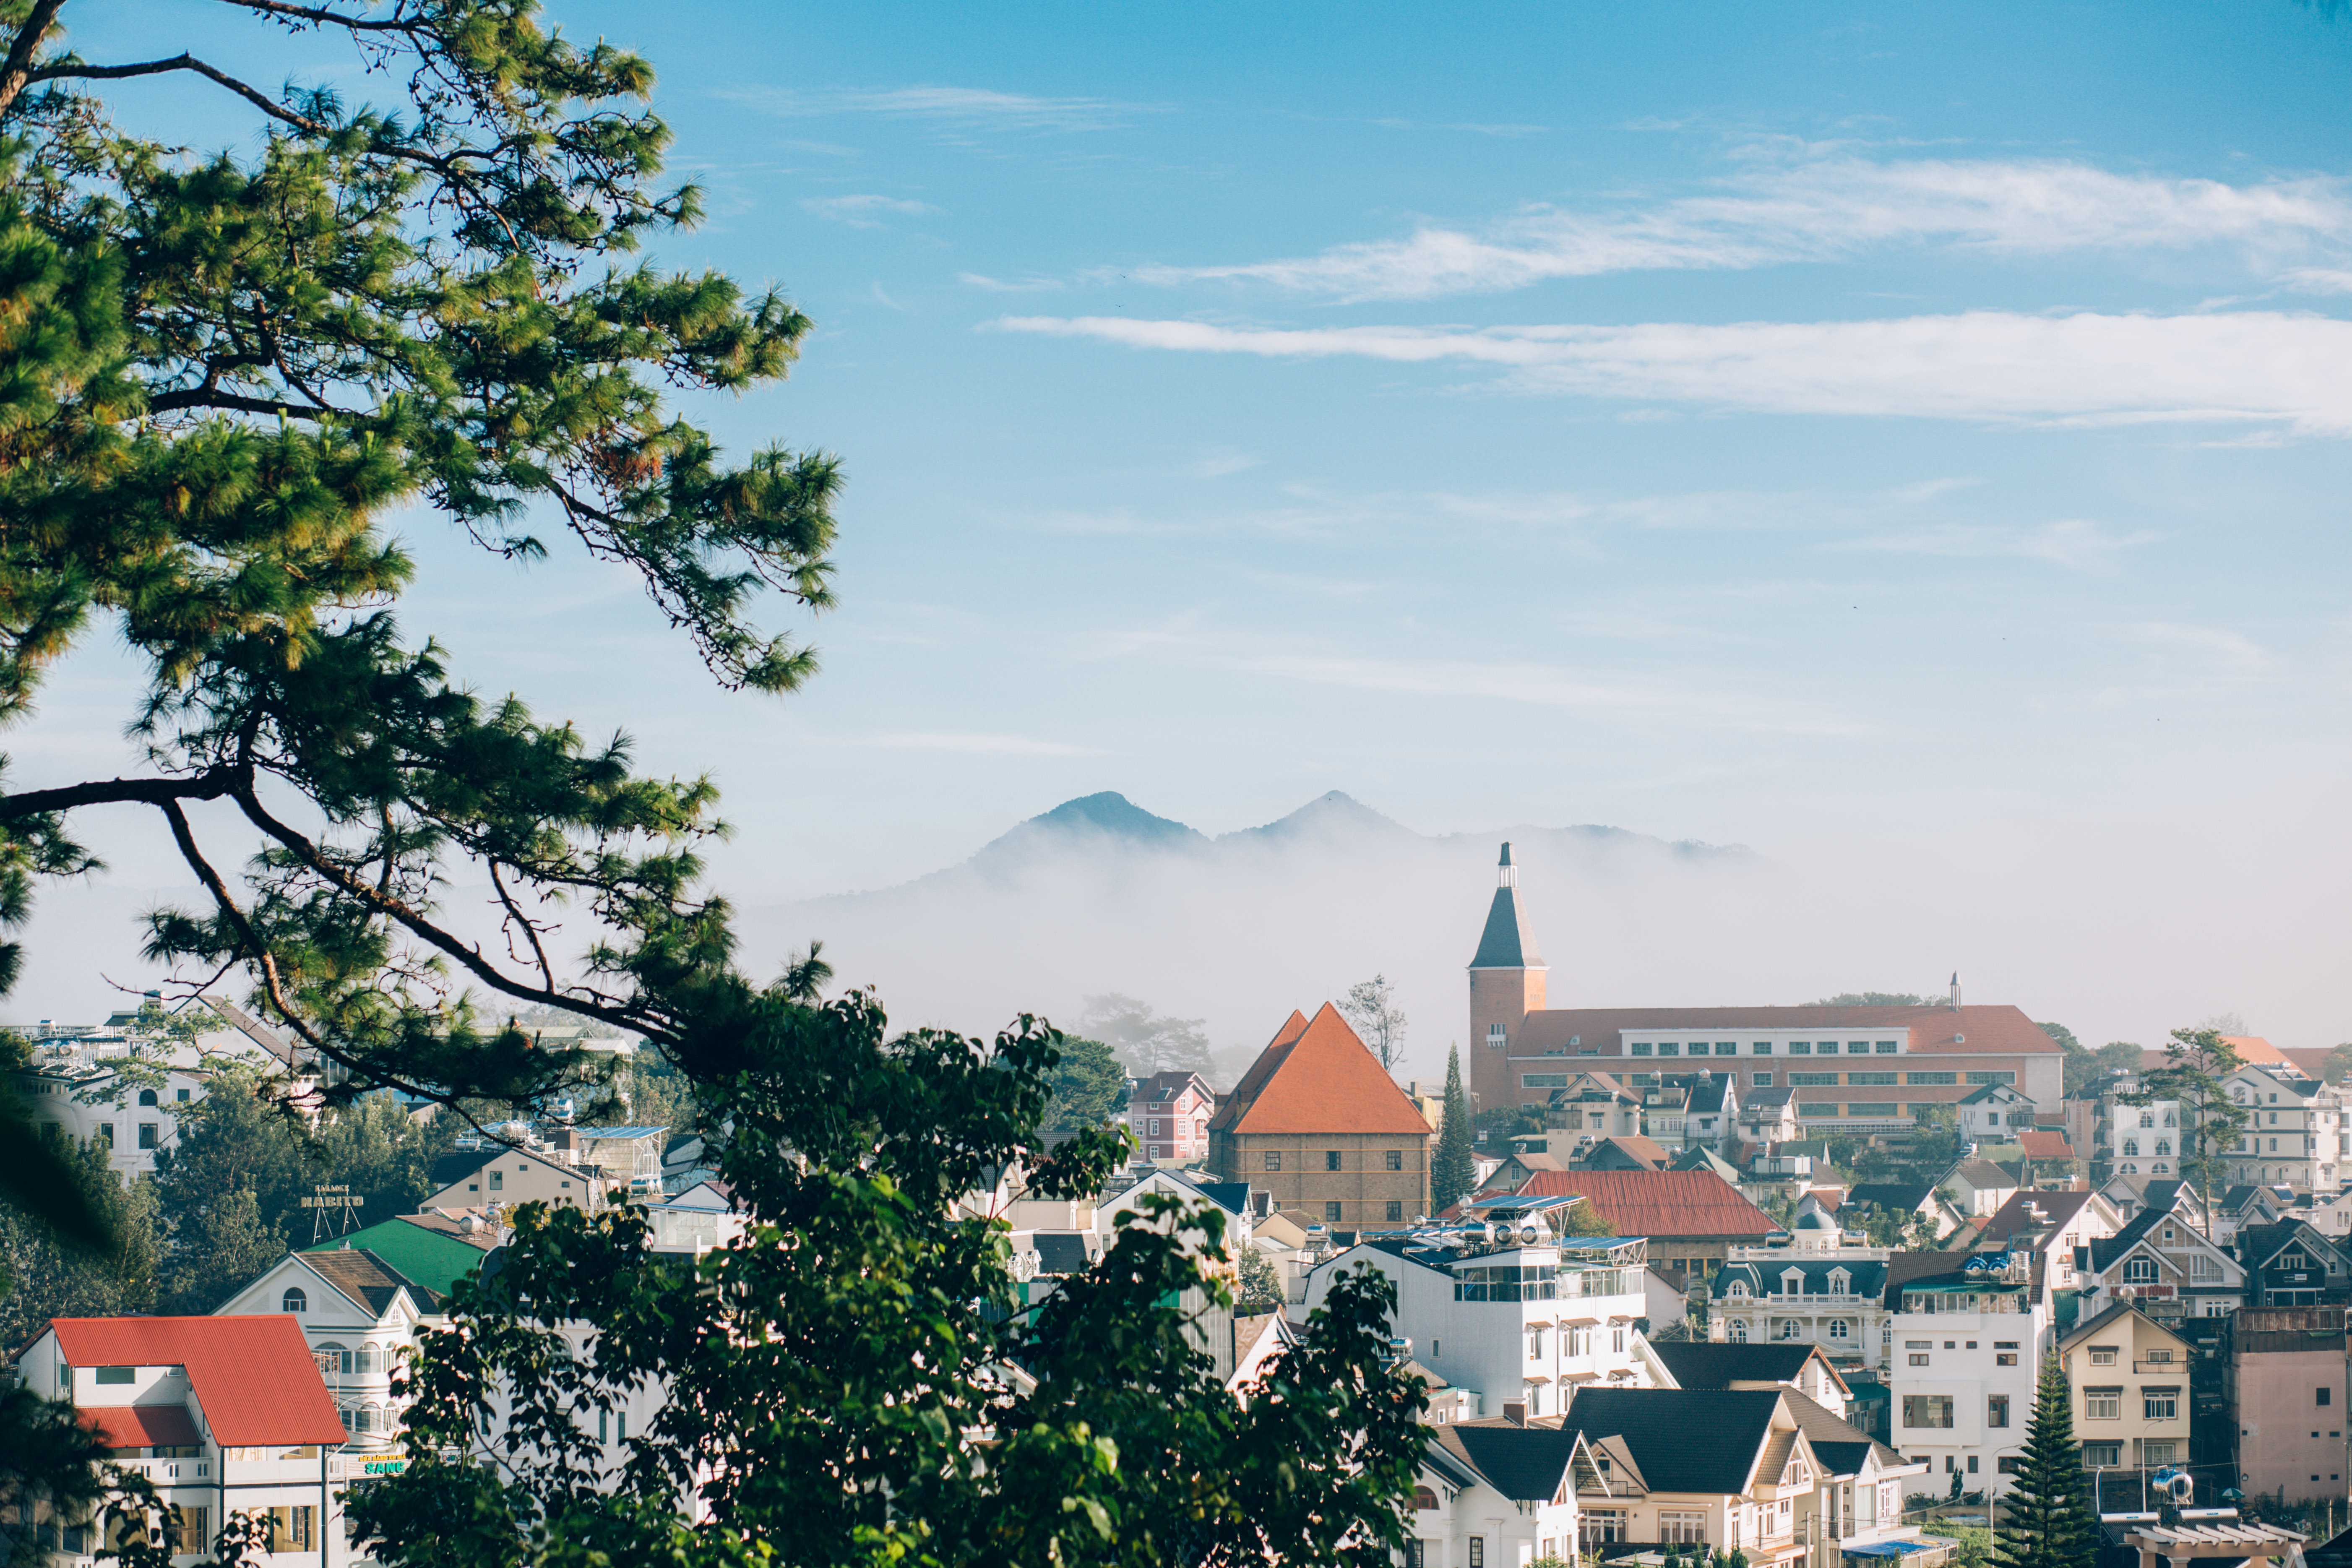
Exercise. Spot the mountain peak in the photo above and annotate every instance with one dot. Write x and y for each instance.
(1090, 819)
(1333, 811)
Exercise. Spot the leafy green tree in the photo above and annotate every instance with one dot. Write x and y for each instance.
(44, 1275)
(2196, 1063)
(838, 1342)
(1584, 1219)
(1936, 1141)
(1089, 1086)
(1257, 1288)
(2046, 1517)
(1453, 1168)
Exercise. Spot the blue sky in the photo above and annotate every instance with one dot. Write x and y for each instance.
(1910, 441)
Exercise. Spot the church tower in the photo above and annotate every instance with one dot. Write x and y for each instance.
(1506, 984)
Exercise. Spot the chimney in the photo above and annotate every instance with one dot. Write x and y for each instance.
(1514, 1412)
(1956, 990)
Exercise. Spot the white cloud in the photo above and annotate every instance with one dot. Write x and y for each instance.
(962, 106)
(862, 212)
(948, 741)
(1818, 209)
(2318, 280)
(2087, 368)
(1004, 286)
(2077, 542)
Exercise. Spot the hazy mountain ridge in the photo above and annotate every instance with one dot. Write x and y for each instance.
(1100, 895)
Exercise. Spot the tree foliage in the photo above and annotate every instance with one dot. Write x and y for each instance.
(1144, 1041)
(1089, 1086)
(1452, 1170)
(2196, 1063)
(831, 1395)
(45, 1275)
(2046, 1517)
(224, 371)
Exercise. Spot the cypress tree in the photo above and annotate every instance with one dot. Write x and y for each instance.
(1451, 1171)
(2046, 1518)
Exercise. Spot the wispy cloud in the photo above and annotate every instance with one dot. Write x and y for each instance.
(1695, 703)
(2254, 366)
(2078, 543)
(969, 107)
(1821, 208)
(951, 741)
(862, 212)
(1010, 285)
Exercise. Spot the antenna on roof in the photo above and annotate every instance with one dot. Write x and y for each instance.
(1956, 990)
(1507, 875)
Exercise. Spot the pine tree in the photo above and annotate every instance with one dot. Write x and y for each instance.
(1450, 1172)
(2045, 1519)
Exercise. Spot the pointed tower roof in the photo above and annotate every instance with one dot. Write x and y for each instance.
(1506, 943)
(1316, 1077)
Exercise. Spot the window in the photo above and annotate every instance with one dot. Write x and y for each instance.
(1799, 1080)
(1395, 1212)
(1274, 1159)
(1396, 1159)
(2154, 1451)
(1641, 1048)
(1870, 1077)
(146, 1097)
(1685, 1526)
(294, 1301)
(1543, 1080)
(2103, 1405)
(1416, 1552)
(1330, 1159)
(1670, 1048)
(1931, 1077)
(497, 1180)
(195, 1530)
(1997, 1408)
(2131, 1146)
(1927, 1410)
(182, 1098)
(2139, 1271)
(1801, 1048)
(1838, 1332)
(1332, 1214)
(1763, 1080)
(2325, 1395)
(2006, 1464)
(1535, 1344)
(106, 1133)
(118, 1373)
(2160, 1404)
(1155, 1127)
(1761, 1047)
(2147, 1118)
(2096, 1456)
(1477, 1551)
(1982, 1078)
(147, 1130)
(2103, 1355)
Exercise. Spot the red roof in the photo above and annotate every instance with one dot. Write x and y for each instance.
(141, 1425)
(1989, 1030)
(253, 1375)
(2041, 1145)
(1316, 1077)
(1658, 1203)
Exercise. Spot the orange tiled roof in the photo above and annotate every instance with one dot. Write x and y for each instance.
(254, 1375)
(1316, 1077)
(2041, 1145)
(1658, 1203)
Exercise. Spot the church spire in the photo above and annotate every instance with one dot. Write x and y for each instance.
(1507, 942)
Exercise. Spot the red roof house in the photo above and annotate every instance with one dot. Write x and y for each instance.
(253, 1379)
(1676, 1207)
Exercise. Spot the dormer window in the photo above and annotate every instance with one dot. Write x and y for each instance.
(1839, 1282)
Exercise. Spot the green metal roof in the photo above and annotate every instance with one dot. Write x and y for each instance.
(435, 1261)
(1506, 943)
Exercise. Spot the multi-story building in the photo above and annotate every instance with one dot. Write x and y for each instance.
(1521, 1324)
(2290, 1264)
(1495, 1492)
(1169, 1113)
(1911, 1058)
(1967, 1342)
(2129, 1377)
(1817, 1293)
(224, 1415)
(361, 1316)
(1995, 1113)
(1319, 1124)
(2285, 1380)
(1697, 1364)
(1593, 1104)
(1765, 1472)
(2055, 1223)
(1692, 1219)
(123, 1085)
(2301, 1135)
(2161, 1261)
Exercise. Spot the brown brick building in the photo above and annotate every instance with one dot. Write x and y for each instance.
(1320, 1125)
